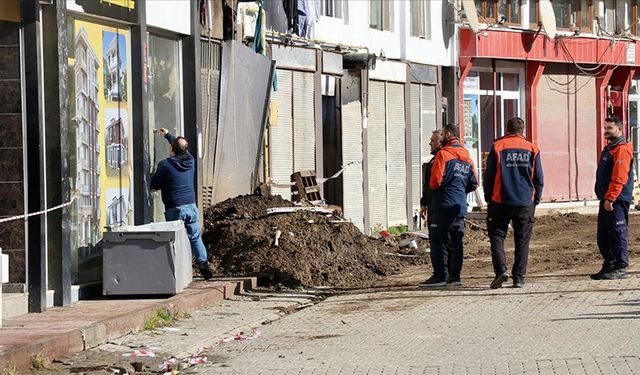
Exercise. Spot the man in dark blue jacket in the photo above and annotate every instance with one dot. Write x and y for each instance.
(452, 177)
(174, 178)
(512, 185)
(614, 188)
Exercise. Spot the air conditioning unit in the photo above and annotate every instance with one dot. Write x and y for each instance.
(247, 19)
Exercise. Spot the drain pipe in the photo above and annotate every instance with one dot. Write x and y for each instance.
(4, 276)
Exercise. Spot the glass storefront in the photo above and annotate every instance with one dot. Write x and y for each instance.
(100, 137)
(488, 105)
(165, 103)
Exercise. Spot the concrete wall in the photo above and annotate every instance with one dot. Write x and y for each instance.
(353, 29)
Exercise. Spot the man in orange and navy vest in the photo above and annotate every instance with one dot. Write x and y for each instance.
(614, 188)
(512, 185)
(452, 178)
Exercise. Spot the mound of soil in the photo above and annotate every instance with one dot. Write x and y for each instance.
(312, 250)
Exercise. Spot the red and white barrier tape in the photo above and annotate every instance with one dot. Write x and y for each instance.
(39, 212)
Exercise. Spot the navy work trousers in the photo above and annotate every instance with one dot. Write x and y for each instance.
(498, 218)
(612, 235)
(446, 231)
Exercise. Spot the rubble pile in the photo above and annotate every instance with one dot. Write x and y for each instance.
(312, 250)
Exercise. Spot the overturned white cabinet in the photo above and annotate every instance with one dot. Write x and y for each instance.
(146, 259)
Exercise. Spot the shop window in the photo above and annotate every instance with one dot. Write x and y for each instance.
(506, 11)
(165, 104)
(419, 10)
(381, 14)
(331, 8)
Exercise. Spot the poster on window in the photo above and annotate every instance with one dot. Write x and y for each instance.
(100, 137)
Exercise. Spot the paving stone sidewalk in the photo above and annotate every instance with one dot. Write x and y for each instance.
(553, 326)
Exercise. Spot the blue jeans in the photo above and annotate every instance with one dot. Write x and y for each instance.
(189, 214)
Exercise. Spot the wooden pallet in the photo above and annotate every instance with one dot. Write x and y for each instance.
(305, 187)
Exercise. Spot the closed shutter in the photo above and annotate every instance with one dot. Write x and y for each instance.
(304, 133)
(209, 75)
(428, 118)
(281, 136)
(396, 159)
(377, 156)
(416, 163)
(352, 176)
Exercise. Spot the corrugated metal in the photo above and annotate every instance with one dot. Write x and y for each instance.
(352, 176)
(304, 133)
(416, 180)
(377, 156)
(567, 136)
(281, 135)
(396, 159)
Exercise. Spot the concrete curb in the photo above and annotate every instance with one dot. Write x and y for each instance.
(24, 337)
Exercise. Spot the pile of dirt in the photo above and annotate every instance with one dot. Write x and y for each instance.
(314, 250)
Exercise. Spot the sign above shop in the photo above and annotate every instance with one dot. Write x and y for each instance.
(123, 10)
(10, 10)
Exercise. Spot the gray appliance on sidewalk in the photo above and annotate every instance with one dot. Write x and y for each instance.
(146, 259)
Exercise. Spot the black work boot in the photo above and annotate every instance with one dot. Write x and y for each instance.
(205, 271)
(606, 273)
(499, 279)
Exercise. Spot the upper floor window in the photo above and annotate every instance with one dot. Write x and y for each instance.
(419, 10)
(507, 11)
(380, 14)
(573, 14)
(620, 17)
(331, 8)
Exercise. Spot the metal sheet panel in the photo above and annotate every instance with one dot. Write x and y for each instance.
(246, 80)
(416, 164)
(281, 135)
(377, 155)
(294, 57)
(304, 133)
(352, 154)
(396, 158)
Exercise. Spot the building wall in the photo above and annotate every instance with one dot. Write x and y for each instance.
(12, 234)
(567, 133)
(354, 29)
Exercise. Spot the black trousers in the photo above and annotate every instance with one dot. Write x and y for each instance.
(446, 232)
(447, 245)
(498, 218)
(612, 235)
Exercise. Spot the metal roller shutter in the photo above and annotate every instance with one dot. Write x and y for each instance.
(281, 135)
(377, 156)
(396, 159)
(427, 118)
(304, 133)
(416, 164)
(352, 153)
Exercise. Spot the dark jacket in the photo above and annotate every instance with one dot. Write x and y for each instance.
(614, 176)
(514, 172)
(427, 193)
(174, 178)
(452, 177)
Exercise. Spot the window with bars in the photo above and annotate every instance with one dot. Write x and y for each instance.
(419, 10)
(331, 8)
(381, 14)
(569, 14)
(507, 11)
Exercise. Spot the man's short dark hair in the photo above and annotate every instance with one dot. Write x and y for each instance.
(453, 129)
(515, 125)
(615, 119)
(179, 146)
